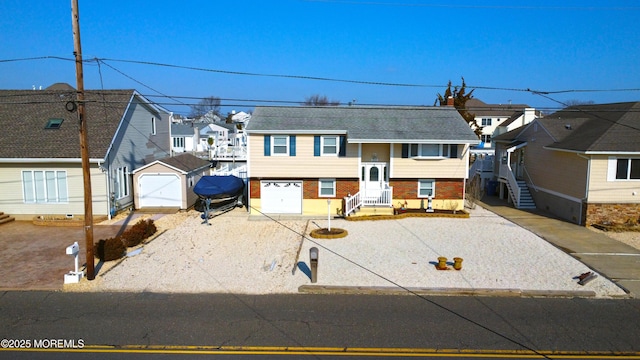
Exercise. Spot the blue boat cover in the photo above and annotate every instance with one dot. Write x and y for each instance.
(219, 186)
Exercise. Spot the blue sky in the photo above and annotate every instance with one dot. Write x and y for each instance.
(538, 45)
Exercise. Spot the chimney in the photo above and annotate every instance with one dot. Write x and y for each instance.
(529, 115)
(450, 101)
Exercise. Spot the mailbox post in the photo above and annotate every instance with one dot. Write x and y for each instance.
(73, 276)
(313, 257)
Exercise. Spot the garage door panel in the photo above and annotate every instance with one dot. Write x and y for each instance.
(281, 197)
(160, 190)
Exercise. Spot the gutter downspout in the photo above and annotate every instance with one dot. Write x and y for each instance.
(586, 185)
(106, 175)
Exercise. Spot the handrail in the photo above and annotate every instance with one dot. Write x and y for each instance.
(530, 179)
(514, 189)
(352, 203)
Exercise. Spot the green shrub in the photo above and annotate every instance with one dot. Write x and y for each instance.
(109, 249)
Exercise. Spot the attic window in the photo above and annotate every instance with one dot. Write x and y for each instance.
(54, 124)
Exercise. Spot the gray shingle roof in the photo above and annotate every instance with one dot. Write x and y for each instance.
(185, 162)
(596, 128)
(182, 129)
(363, 124)
(480, 108)
(24, 114)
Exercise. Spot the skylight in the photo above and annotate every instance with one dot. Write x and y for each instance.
(54, 124)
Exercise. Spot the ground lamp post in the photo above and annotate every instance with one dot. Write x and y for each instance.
(329, 215)
(313, 257)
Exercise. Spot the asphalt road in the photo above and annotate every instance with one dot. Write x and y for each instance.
(116, 325)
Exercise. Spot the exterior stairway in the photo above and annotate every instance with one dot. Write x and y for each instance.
(4, 218)
(526, 200)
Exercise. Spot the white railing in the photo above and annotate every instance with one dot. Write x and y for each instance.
(514, 189)
(240, 171)
(232, 152)
(351, 203)
(377, 197)
(481, 166)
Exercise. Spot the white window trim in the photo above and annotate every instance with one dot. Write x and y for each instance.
(333, 182)
(322, 153)
(46, 191)
(433, 188)
(273, 145)
(441, 154)
(613, 166)
(122, 183)
(153, 125)
(180, 140)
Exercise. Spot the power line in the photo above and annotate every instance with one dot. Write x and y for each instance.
(493, 7)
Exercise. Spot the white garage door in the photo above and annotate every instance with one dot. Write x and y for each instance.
(160, 190)
(281, 197)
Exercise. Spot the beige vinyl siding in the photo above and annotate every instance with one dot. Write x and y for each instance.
(603, 191)
(304, 164)
(429, 168)
(558, 171)
(12, 194)
(379, 151)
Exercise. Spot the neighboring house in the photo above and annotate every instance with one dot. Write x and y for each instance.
(302, 157)
(500, 117)
(581, 163)
(40, 162)
(185, 137)
(169, 182)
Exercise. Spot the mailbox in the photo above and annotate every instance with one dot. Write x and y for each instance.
(73, 249)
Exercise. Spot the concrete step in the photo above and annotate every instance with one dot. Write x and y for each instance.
(373, 210)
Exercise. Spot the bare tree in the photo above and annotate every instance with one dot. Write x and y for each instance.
(320, 100)
(460, 98)
(209, 104)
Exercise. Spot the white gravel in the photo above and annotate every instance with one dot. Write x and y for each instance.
(237, 254)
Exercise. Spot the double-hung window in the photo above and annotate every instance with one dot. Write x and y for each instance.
(280, 145)
(426, 188)
(327, 187)
(330, 145)
(178, 142)
(628, 169)
(486, 122)
(48, 186)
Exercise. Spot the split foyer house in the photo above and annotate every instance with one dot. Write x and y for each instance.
(302, 157)
(581, 163)
(498, 118)
(40, 162)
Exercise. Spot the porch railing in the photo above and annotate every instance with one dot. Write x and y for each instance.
(514, 189)
(368, 198)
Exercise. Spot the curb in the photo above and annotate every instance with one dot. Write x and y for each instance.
(384, 290)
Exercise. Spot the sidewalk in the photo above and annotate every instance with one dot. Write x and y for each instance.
(617, 261)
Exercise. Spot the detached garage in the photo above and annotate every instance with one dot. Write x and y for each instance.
(281, 197)
(168, 182)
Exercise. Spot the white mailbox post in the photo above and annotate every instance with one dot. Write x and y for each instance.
(73, 276)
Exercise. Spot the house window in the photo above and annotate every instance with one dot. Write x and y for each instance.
(430, 150)
(486, 121)
(327, 187)
(153, 125)
(426, 188)
(280, 145)
(45, 186)
(54, 124)
(178, 142)
(628, 169)
(122, 183)
(329, 145)
(486, 139)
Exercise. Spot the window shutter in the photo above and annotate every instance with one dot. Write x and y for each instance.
(267, 145)
(292, 145)
(453, 151)
(405, 151)
(343, 146)
(316, 145)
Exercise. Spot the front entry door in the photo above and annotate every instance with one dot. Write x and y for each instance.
(373, 177)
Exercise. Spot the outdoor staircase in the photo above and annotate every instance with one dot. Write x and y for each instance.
(526, 200)
(372, 210)
(4, 218)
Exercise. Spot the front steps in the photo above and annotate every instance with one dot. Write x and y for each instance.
(4, 218)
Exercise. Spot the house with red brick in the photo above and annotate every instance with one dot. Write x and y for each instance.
(306, 160)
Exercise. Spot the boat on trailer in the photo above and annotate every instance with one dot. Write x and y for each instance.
(218, 193)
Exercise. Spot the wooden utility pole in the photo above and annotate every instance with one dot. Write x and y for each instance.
(84, 146)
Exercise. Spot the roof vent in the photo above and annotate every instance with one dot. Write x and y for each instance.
(567, 126)
(54, 124)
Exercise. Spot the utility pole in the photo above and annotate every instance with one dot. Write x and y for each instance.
(84, 146)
